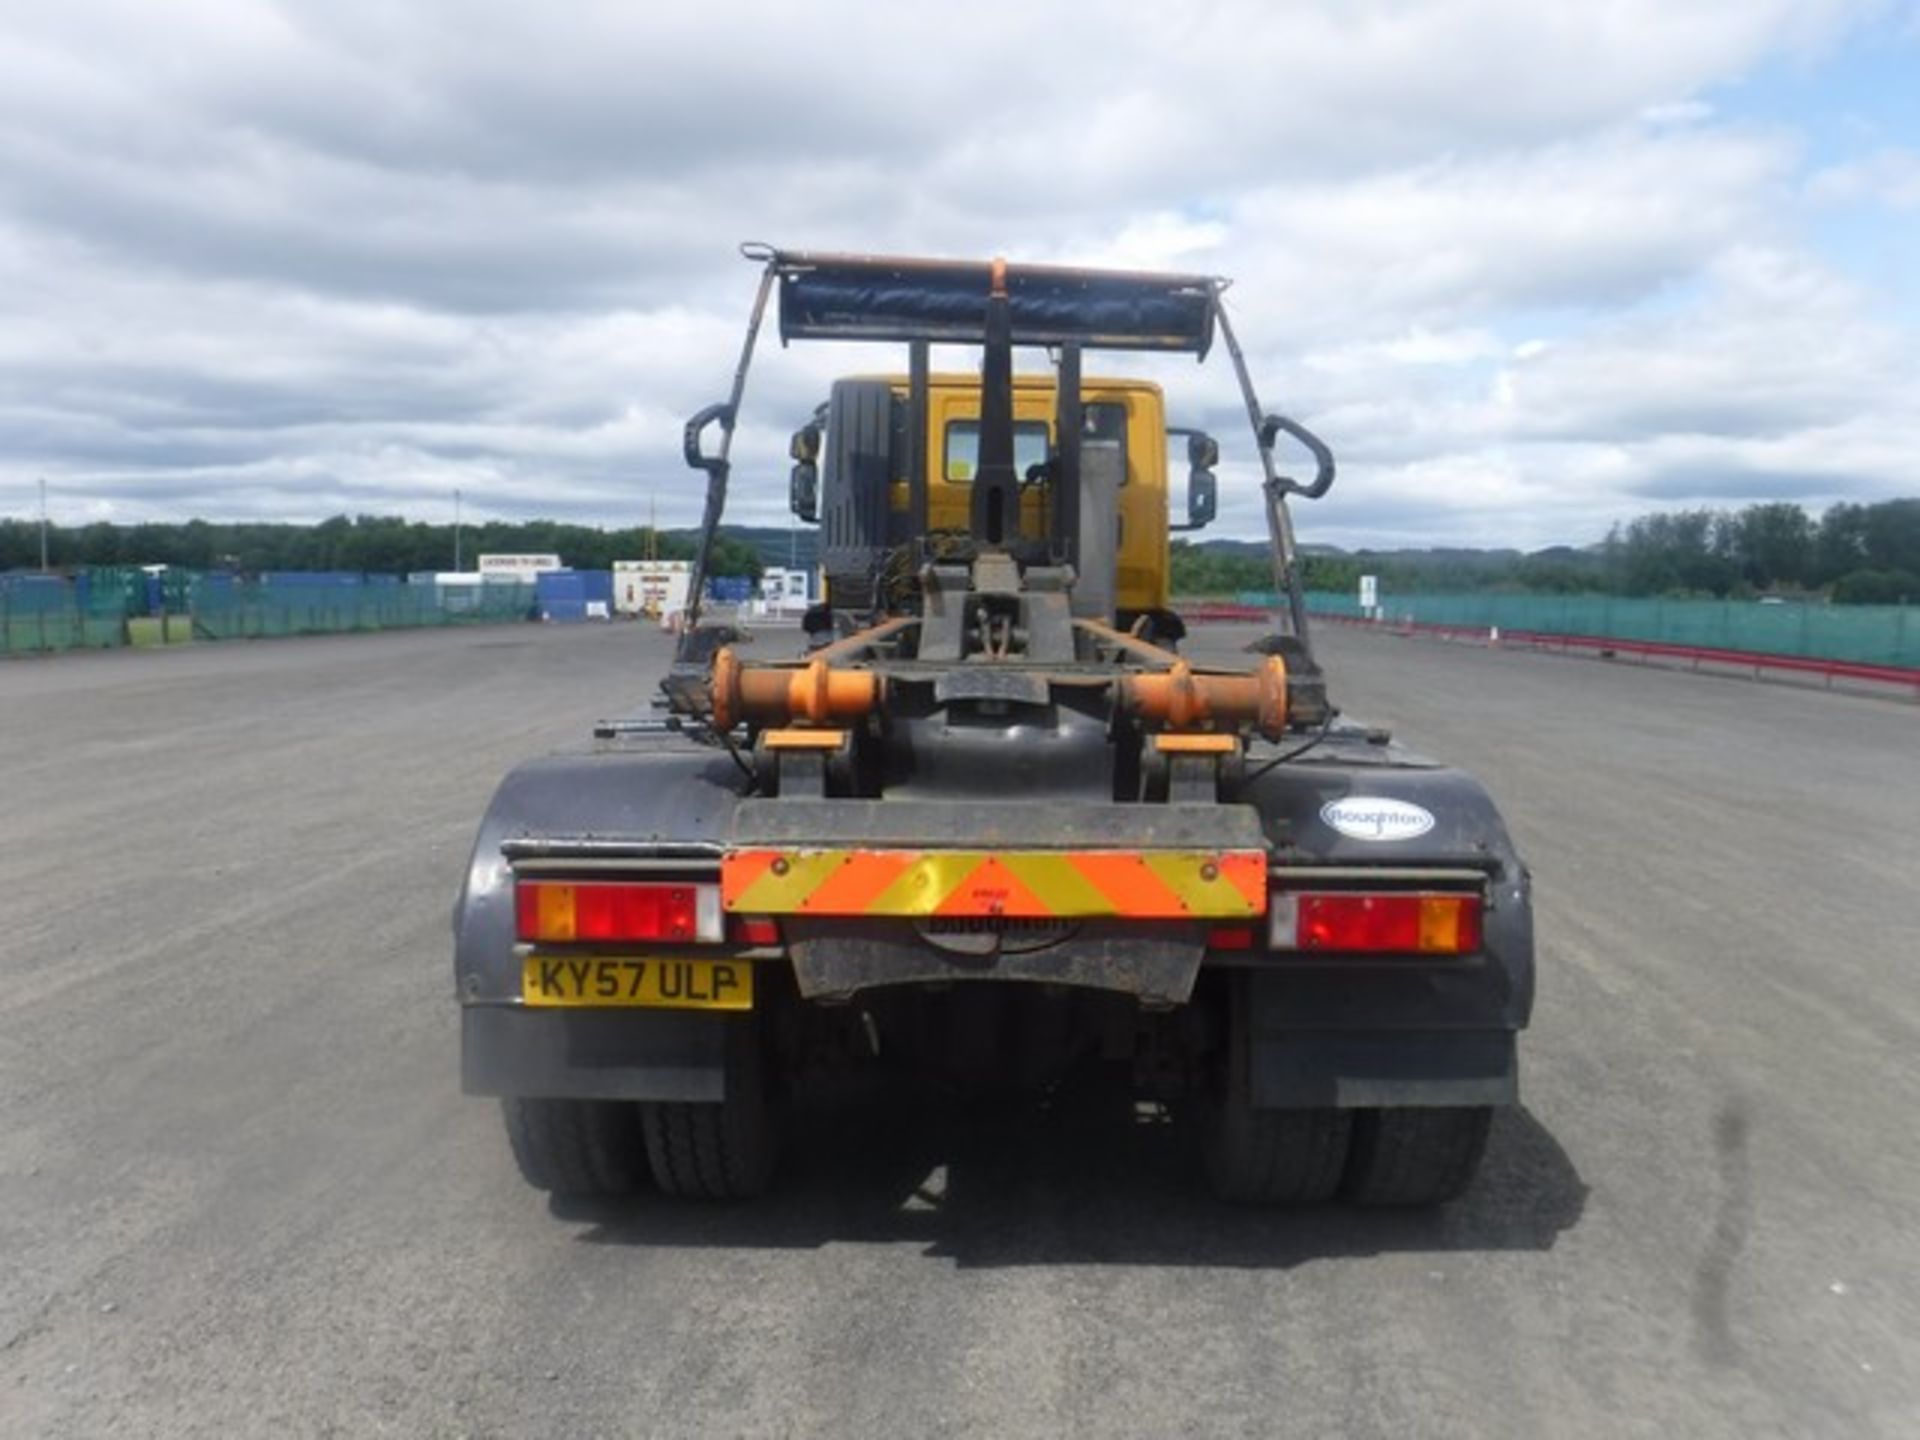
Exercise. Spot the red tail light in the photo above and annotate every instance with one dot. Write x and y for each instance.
(568, 910)
(1401, 923)
(1230, 937)
(753, 930)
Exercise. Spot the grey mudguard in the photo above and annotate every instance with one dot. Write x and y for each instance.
(1393, 1032)
(633, 798)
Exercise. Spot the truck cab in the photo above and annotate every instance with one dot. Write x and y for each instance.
(1126, 447)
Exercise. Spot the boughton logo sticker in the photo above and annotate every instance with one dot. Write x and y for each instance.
(1373, 817)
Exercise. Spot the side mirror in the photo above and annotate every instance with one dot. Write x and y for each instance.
(1203, 495)
(1203, 451)
(803, 491)
(805, 444)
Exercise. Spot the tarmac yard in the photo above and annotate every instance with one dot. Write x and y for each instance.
(240, 1193)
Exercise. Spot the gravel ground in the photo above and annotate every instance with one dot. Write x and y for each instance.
(240, 1193)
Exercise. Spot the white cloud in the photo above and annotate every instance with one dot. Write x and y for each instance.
(1890, 177)
(1676, 112)
(1416, 346)
(1509, 257)
(1775, 346)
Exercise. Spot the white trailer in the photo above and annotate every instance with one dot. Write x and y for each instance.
(653, 588)
(521, 568)
(783, 592)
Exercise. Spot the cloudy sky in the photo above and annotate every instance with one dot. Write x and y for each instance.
(1531, 268)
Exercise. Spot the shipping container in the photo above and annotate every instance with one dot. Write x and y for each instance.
(311, 579)
(654, 588)
(561, 595)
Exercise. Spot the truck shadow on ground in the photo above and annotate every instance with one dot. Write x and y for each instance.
(1077, 1184)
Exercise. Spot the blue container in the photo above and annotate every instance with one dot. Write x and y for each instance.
(309, 579)
(597, 585)
(730, 589)
(560, 595)
(31, 593)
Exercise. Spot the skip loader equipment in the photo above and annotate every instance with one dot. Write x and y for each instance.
(990, 825)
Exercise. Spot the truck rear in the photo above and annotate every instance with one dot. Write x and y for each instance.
(990, 824)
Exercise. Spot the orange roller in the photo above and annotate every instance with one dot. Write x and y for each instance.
(815, 693)
(1178, 699)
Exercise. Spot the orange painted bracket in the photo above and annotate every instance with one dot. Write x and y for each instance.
(1196, 744)
(804, 739)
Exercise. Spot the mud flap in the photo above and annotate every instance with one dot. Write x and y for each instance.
(592, 1054)
(1353, 1069)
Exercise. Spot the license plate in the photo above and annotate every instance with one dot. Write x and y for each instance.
(596, 980)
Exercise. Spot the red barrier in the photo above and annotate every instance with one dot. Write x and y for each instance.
(1223, 610)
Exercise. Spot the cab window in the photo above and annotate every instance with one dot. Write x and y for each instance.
(1104, 422)
(1030, 441)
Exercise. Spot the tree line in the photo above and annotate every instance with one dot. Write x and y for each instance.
(1863, 554)
(1851, 554)
(368, 544)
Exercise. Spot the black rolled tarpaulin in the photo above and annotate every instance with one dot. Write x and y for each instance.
(855, 297)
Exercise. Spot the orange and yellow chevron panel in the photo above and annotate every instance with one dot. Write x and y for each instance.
(1017, 884)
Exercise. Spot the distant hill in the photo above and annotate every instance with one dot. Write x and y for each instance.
(778, 547)
(775, 544)
(1852, 553)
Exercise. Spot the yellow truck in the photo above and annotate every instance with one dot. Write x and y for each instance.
(1124, 458)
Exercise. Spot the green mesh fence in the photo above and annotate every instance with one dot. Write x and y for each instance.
(128, 590)
(114, 590)
(45, 613)
(1869, 634)
(237, 612)
(40, 614)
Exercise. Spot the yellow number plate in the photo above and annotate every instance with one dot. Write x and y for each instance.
(609, 980)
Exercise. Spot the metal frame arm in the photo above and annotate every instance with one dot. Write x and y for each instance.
(1285, 556)
(718, 465)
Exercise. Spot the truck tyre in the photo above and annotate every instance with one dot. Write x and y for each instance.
(1275, 1157)
(580, 1148)
(716, 1152)
(1410, 1156)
